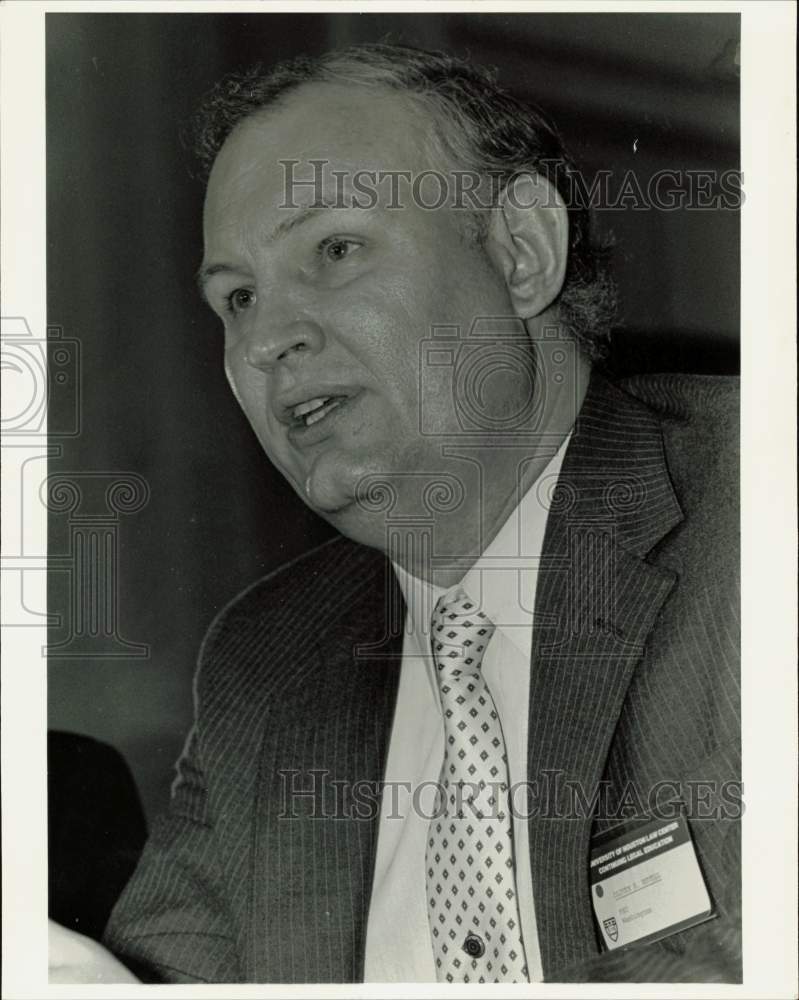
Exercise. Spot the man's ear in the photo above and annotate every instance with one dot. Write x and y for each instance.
(528, 239)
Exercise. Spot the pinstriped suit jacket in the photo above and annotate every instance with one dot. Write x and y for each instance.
(262, 869)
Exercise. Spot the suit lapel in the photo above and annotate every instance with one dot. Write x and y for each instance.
(322, 761)
(596, 602)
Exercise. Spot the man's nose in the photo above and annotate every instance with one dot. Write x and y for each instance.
(271, 343)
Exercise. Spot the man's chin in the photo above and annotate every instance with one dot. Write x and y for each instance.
(335, 482)
(353, 493)
(327, 495)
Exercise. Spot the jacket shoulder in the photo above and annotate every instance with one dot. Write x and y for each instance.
(699, 416)
(680, 397)
(269, 617)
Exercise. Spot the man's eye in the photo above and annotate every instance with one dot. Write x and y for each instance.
(335, 248)
(239, 300)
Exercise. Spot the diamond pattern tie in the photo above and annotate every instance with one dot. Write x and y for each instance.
(471, 886)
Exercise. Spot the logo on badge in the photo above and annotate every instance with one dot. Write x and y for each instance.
(611, 928)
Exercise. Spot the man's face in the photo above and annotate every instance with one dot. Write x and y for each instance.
(333, 304)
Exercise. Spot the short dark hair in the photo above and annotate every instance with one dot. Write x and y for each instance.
(476, 124)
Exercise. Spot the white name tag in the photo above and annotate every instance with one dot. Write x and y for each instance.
(646, 883)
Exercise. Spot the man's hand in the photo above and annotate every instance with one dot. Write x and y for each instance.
(75, 958)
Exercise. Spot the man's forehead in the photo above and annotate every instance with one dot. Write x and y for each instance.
(348, 127)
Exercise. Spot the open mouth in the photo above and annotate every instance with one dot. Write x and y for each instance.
(314, 410)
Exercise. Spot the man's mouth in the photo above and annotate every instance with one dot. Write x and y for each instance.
(314, 410)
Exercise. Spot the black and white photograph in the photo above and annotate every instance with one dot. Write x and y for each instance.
(375, 409)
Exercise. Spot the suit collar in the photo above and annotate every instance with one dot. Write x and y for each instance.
(615, 470)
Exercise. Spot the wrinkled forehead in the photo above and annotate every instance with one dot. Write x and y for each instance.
(319, 132)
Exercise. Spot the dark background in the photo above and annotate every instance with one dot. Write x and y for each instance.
(124, 240)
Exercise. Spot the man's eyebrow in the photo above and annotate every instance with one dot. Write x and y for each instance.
(206, 272)
(303, 215)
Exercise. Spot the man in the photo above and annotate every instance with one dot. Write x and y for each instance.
(534, 587)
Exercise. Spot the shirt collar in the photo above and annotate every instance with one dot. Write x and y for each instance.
(500, 580)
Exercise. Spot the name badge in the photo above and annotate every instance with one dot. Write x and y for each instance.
(646, 883)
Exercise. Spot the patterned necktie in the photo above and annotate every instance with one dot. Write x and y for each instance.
(471, 886)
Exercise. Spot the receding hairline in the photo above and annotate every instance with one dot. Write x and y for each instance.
(423, 107)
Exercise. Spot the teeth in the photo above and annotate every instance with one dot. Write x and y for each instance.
(314, 409)
(332, 403)
(313, 404)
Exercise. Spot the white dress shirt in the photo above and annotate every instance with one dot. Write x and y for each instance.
(503, 583)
